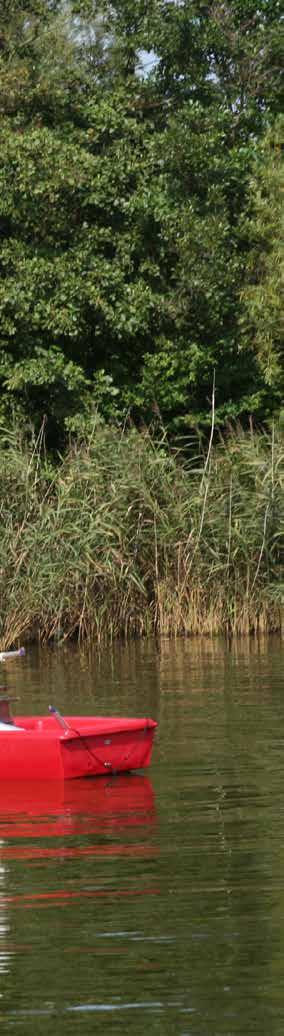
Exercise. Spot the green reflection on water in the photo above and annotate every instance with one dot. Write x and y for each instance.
(152, 903)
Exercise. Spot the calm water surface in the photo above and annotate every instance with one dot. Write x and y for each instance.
(151, 903)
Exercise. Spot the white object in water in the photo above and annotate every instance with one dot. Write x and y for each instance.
(12, 654)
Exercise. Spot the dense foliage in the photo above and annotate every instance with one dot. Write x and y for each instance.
(139, 185)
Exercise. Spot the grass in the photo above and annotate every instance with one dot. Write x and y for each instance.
(125, 538)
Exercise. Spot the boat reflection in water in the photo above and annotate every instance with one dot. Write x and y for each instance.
(109, 806)
(81, 825)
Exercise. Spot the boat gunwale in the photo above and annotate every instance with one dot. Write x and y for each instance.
(78, 726)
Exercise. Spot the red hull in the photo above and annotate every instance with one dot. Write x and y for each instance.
(88, 747)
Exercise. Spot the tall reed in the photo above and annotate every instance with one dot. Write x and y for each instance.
(124, 537)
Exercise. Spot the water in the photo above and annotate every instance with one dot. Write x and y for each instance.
(153, 903)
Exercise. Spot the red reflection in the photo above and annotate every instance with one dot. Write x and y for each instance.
(48, 809)
(67, 852)
(60, 896)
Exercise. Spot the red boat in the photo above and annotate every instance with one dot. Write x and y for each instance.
(41, 747)
(44, 747)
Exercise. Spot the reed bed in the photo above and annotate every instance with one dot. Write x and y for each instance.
(124, 537)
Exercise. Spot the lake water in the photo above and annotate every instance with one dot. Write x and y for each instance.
(151, 903)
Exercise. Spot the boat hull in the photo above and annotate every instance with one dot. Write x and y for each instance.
(87, 747)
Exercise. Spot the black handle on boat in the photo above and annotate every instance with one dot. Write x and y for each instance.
(12, 654)
(60, 719)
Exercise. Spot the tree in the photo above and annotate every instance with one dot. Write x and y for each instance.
(263, 294)
(227, 52)
(124, 202)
